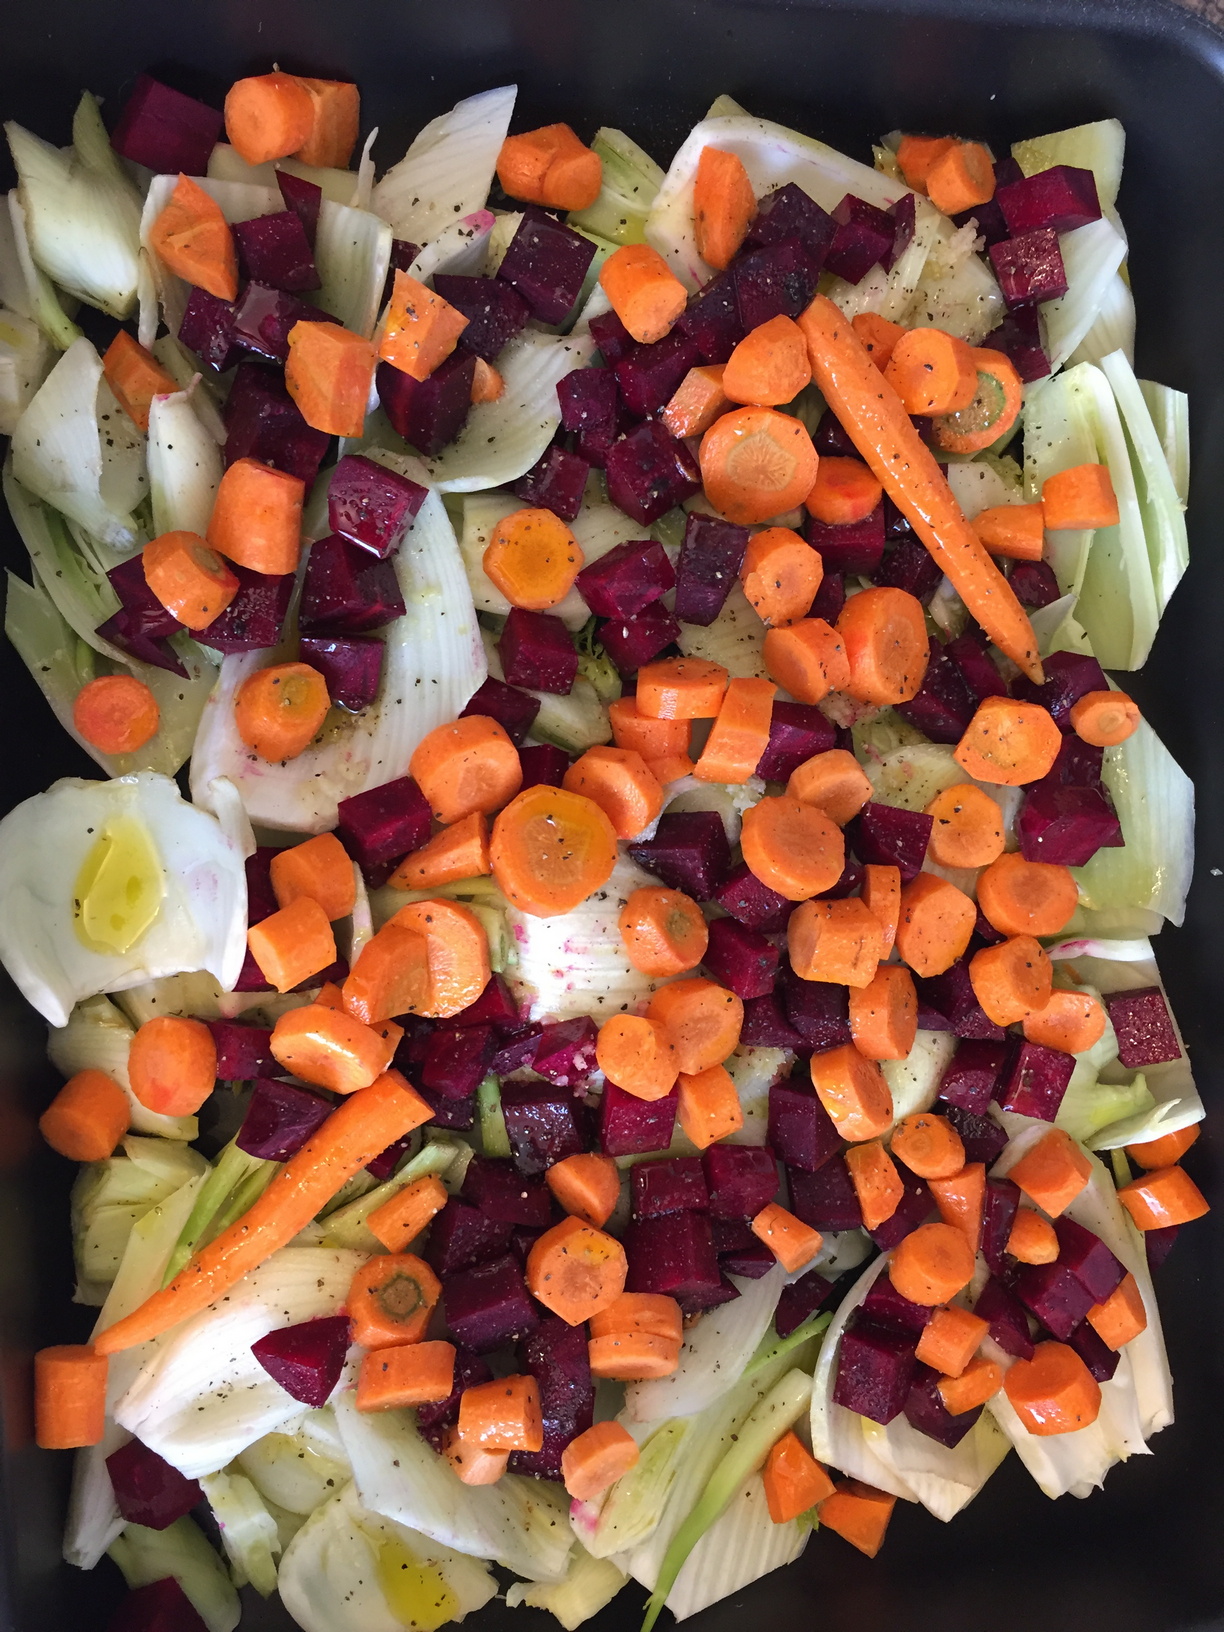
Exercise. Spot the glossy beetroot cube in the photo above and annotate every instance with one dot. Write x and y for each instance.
(545, 1124)
(457, 1060)
(162, 1606)
(1034, 584)
(985, 934)
(145, 610)
(818, 1010)
(461, 1237)
(766, 1026)
(255, 617)
(555, 1354)
(975, 1075)
(1079, 764)
(1035, 1080)
(1065, 825)
(750, 1262)
(649, 376)
(457, 1114)
(797, 732)
(631, 642)
(1029, 268)
(489, 1305)
(1068, 677)
(752, 903)
(516, 1050)
(280, 1118)
(537, 650)
(429, 414)
(629, 1126)
(976, 667)
(589, 401)
(263, 422)
(826, 1199)
(612, 338)
(501, 1192)
(546, 263)
(1158, 1244)
(911, 567)
(863, 239)
(1061, 199)
(1101, 1360)
(306, 1359)
(544, 764)
(628, 578)
(999, 1207)
(305, 199)
(165, 130)
(384, 823)
(984, 1140)
(494, 1007)
(261, 897)
(1054, 1295)
(830, 598)
(470, 1370)
(371, 505)
(904, 214)
(674, 1185)
(1144, 1026)
(951, 994)
(207, 328)
(566, 1051)
(514, 710)
(777, 281)
(495, 312)
(689, 852)
(884, 1306)
(710, 559)
(788, 212)
(801, 1131)
(148, 1490)
(1088, 1258)
(649, 472)
(800, 1301)
(546, 1463)
(386, 1162)
(1005, 1314)
(886, 835)
(351, 666)
(944, 705)
(242, 1051)
(274, 250)
(741, 1179)
(712, 319)
(741, 959)
(915, 1207)
(263, 317)
(853, 546)
(556, 482)
(1019, 338)
(926, 1411)
(673, 1255)
(731, 1234)
(875, 1366)
(347, 590)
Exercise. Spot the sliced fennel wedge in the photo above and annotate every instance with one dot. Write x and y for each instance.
(1164, 525)
(631, 181)
(352, 252)
(1091, 255)
(184, 464)
(448, 169)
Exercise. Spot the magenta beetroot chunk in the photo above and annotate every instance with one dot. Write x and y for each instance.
(631, 642)
(801, 1131)
(1035, 1080)
(274, 250)
(984, 1140)
(1158, 1244)
(673, 1255)
(751, 1262)
(429, 413)
(470, 1370)
(1079, 765)
(915, 1207)
(627, 579)
(165, 130)
(741, 1179)
(689, 852)
(1068, 677)
(566, 1051)
(629, 1126)
(146, 612)
(818, 1010)
(306, 1359)
(555, 1354)
(751, 903)
(461, 1237)
(850, 882)
(347, 590)
(1005, 1314)
(1101, 1360)
(263, 422)
(1000, 1205)
(800, 1300)
(926, 1411)
(1144, 1027)
(500, 1191)
(1067, 825)
(494, 1007)
(863, 239)
(1034, 584)
(911, 567)
(884, 1306)
(766, 1026)
(712, 319)
(255, 617)
(306, 201)
(544, 1123)
(383, 824)
(788, 212)
(710, 559)
(649, 472)
(148, 1490)
(675, 1185)
(386, 1162)
(1029, 268)
(852, 546)
(650, 375)
(495, 312)
(458, 1114)
(589, 402)
(1061, 199)
(976, 667)
(457, 1060)
(546, 263)
(1054, 1295)
(951, 995)
(944, 705)
(351, 666)
(123, 630)
(886, 835)
(544, 764)
(1088, 1258)
(1019, 338)
(611, 337)
(797, 732)
(517, 1048)
(776, 281)
(162, 1606)
(556, 482)
(242, 1051)
(280, 1118)
(875, 1366)
(904, 212)
(514, 710)
(489, 1305)
(741, 959)
(537, 650)
(826, 1199)
(371, 505)
(974, 1075)
(263, 317)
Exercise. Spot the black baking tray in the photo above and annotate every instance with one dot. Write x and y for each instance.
(1146, 1554)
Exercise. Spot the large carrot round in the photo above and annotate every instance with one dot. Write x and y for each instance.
(794, 848)
(1009, 743)
(932, 372)
(172, 1065)
(928, 1145)
(663, 930)
(886, 437)
(757, 463)
(87, 1118)
(280, 710)
(935, 923)
(551, 849)
(457, 953)
(268, 117)
(884, 631)
(1070, 1021)
(638, 1055)
(853, 1091)
(884, 1014)
(781, 573)
(967, 827)
(619, 781)
(1027, 897)
(69, 1396)
(702, 1020)
(1011, 980)
(932, 1264)
(1105, 718)
(808, 659)
(769, 366)
(390, 1300)
(466, 766)
(833, 781)
(390, 976)
(587, 1185)
(844, 491)
(1054, 1392)
(576, 1271)
(837, 942)
(533, 558)
(597, 1458)
(116, 713)
(188, 578)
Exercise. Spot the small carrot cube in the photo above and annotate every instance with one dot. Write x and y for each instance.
(916, 155)
(950, 1339)
(587, 1185)
(1053, 1172)
(632, 1357)
(398, 1222)
(645, 293)
(421, 329)
(980, 1381)
(1013, 530)
(135, 376)
(961, 178)
(503, 1415)
(406, 1374)
(859, 1514)
(293, 944)
(473, 1464)
(792, 1242)
(794, 1481)
(1121, 1315)
(708, 1106)
(1080, 497)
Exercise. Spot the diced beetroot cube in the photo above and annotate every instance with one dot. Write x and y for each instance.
(386, 1162)
(752, 903)
(495, 312)
(1101, 1360)
(306, 1359)
(263, 317)
(926, 1411)
(788, 212)
(544, 764)
(673, 1255)
(207, 328)
(537, 650)
(1088, 1259)
(999, 1207)
(1158, 1244)
(280, 1118)
(1019, 338)
(675, 1185)
(650, 375)
(850, 882)
(148, 1490)
(371, 505)
(985, 934)
(710, 558)
(566, 1051)
(797, 732)
(545, 1124)
(944, 705)
(501, 1192)
(826, 1199)
(351, 665)
(975, 1075)
(514, 710)
(915, 1207)
(818, 1010)
(494, 1007)
(800, 1300)
(165, 130)
(852, 546)
(629, 1126)
(750, 1262)
(305, 199)
(1079, 764)
(627, 579)
(886, 835)
(556, 482)
(1144, 1027)
(951, 994)
(801, 1131)
(1035, 1079)
(1029, 268)
(1004, 1312)
(255, 617)
(976, 667)
(689, 852)
(904, 212)
(778, 280)
(1066, 825)
(741, 1179)
(430, 413)
(833, 437)
(875, 1366)
(347, 590)
(384, 823)
(589, 401)
(766, 1026)
(731, 1234)
(989, 217)
(162, 1606)
(709, 1297)
(457, 1060)
(712, 319)
(631, 642)
(263, 422)
(1068, 677)
(884, 1306)
(274, 250)
(741, 959)
(612, 338)
(911, 567)
(261, 897)
(546, 1463)
(1034, 584)
(1061, 199)
(461, 1237)
(830, 599)
(457, 1114)
(1054, 1295)
(516, 1050)
(489, 1305)
(863, 239)
(143, 607)
(555, 1354)
(649, 472)
(546, 263)
(242, 1051)
(470, 1370)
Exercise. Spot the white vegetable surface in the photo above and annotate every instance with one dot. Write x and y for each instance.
(448, 169)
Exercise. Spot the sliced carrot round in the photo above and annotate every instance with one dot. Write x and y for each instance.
(663, 930)
(621, 784)
(845, 491)
(87, 1118)
(1070, 1021)
(928, 1145)
(932, 1264)
(702, 1020)
(533, 558)
(116, 713)
(756, 464)
(967, 827)
(597, 1458)
(576, 1271)
(780, 574)
(468, 766)
(834, 781)
(1021, 897)
(551, 849)
(172, 1065)
(935, 923)
(680, 688)
(1008, 742)
(456, 950)
(993, 411)
(884, 1014)
(769, 366)
(853, 1091)
(637, 1055)
(1054, 1392)
(1105, 718)
(885, 636)
(794, 848)
(280, 710)
(188, 578)
(808, 659)
(1011, 980)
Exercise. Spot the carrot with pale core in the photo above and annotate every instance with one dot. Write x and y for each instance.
(390, 1300)
(664, 931)
(551, 849)
(280, 710)
(928, 1145)
(756, 463)
(1020, 897)
(533, 558)
(1105, 718)
(884, 632)
(1009, 743)
(576, 1271)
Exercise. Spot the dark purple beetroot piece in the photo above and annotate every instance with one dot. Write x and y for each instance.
(1034, 584)
(537, 650)
(470, 1370)
(514, 710)
(875, 1366)
(741, 959)
(280, 1119)
(1158, 1244)
(864, 238)
(544, 764)
(911, 567)
(1101, 1360)
(166, 131)
(255, 617)
(501, 1192)
(766, 1026)
(903, 212)
(712, 319)
(386, 1162)
(242, 1051)
(999, 1207)
(384, 823)
(797, 732)
(263, 317)
(801, 1131)
(750, 1262)
(830, 598)
(631, 642)
(800, 1301)
(776, 281)
(731, 1234)
(489, 1305)
(1144, 1026)
(261, 897)
(403, 253)
(612, 338)
(989, 217)
(274, 250)
(494, 1007)
(457, 1060)
(545, 1124)
(1035, 1079)
(833, 437)
(985, 934)
(459, 1114)
(371, 505)
(675, 1185)
(1088, 1259)
(926, 1411)
(516, 1050)
(1079, 765)
(566, 1051)
(627, 579)
(1068, 677)
(306, 1359)
(788, 212)
(263, 422)
(347, 590)
(145, 612)
(884, 1306)
(555, 1354)
(461, 1237)
(546, 263)
(826, 1199)
(673, 1255)
(915, 1207)
(1066, 825)
(649, 472)
(741, 1179)
(207, 328)
(650, 375)
(944, 705)
(350, 664)
(162, 1606)
(689, 852)
(752, 903)
(886, 835)
(430, 413)
(305, 199)
(148, 1490)
(555, 482)
(1029, 268)
(710, 558)
(974, 1076)
(818, 1010)
(1003, 1311)
(1054, 1295)
(495, 312)
(590, 403)
(1019, 337)
(853, 546)
(976, 667)
(629, 1126)
(951, 995)
(1060, 199)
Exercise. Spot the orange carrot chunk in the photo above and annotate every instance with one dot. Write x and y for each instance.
(792, 1242)
(1014, 530)
(192, 238)
(116, 713)
(586, 1185)
(1070, 1021)
(420, 329)
(663, 930)
(1121, 1315)
(472, 1464)
(885, 636)
(269, 116)
(877, 1184)
(457, 954)
(533, 558)
(844, 491)
(881, 895)
(458, 851)
(932, 372)
(280, 710)
(87, 1118)
(188, 578)
(961, 178)
(928, 1145)
(961, 1199)
(653, 739)
(1164, 1196)
(398, 1222)
(257, 517)
(1008, 742)
(576, 1271)
(980, 1381)
(853, 1091)
(331, 1049)
(1105, 718)
(995, 408)
(670, 769)
(172, 1065)
(1053, 1172)
(884, 1014)
(597, 1458)
(967, 827)
(781, 573)
(1032, 1239)
(835, 941)
(335, 113)
(859, 1514)
(136, 377)
(808, 659)
(487, 383)
(769, 366)
(916, 155)
(638, 1055)
(697, 402)
(723, 206)
(69, 1397)
(935, 923)
(1011, 980)
(794, 848)
(756, 463)
(390, 1300)
(833, 781)
(329, 374)
(702, 1020)
(319, 868)
(877, 335)
(1167, 1150)
(950, 1339)
(708, 1107)
(1054, 1392)
(291, 945)
(651, 1312)
(633, 1356)
(932, 1264)
(794, 1481)
(645, 293)
(681, 688)
(740, 733)
(551, 849)
(619, 782)
(1021, 897)
(503, 1415)
(390, 976)
(408, 1374)
(550, 166)
(1080, 497)
(468, 766)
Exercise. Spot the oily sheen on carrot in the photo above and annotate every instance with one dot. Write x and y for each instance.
(885, 436)
(353, 1135)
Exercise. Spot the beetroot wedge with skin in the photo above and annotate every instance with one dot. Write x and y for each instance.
(976, 667)
(751, 903)
(255, 618)
(165, 130)
(975, 1075)
(1006, 1317)
(544, 765)
(689, 852)
(634, 641)
(494, 1007)
(516, 1049)
(461, 1237)
(1158, 1244)
(797, 732)
(274, 250)
(162, 1606)
(1054, 1295)
(911, 567)
(1061, 198)
(489, 1305)
(825, 1199)
(1000, 1204)
(766, 1026)
(143, 607)
(371, 505)
(801, 1132)
(280, 1118)
(886, 835)
(926, 1411)
(429, 414)
(778, 280)
(263, 422)
(1088, 1258)
(984, 1140)
(673, 1255)
(388, 1160)
(853, 546)
(555, 1354)
(457, 1060)
(915, 1207)
(629, 1126)
(544, 1124)
(556, 482)
(650, 375)
(944, 705)
(875, 1366)
(1035, 1079)
(1067, 825)
(648, 472)
(675, 1185)
(1029, 268)
(148, 1490)
(537, 650)
(514, 710)
(627, 579)
(1144, 1026)
(750, 1262)
(304, 198)
(385, 823)
(347, 590)
(351, 666)
(496, 313)
(242, 1051)
(741, 1179)
(1034, 584)
(818, 1010)
(499, 1190)
(306, 1359)
(800, 1300)
(710, 559)
(863, 239)
(789, 212)
(263, 317)
(207, 328)
(546, 264)
(741, 959)
(712, 319)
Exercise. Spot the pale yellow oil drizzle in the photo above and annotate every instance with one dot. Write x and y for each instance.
(417, 1594)
(118, 891)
